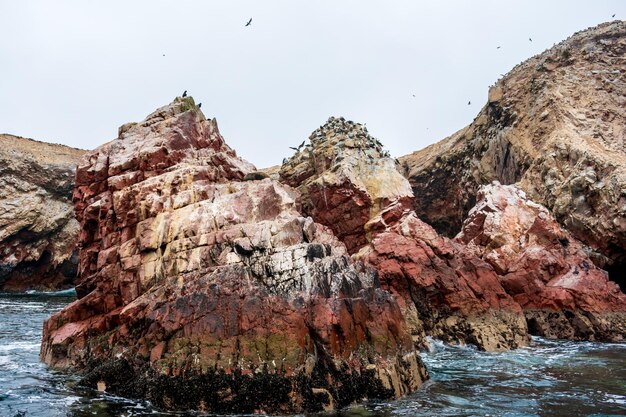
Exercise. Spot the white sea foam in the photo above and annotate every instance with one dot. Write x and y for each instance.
(22, 346)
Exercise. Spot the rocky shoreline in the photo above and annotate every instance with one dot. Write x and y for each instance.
(204, 283)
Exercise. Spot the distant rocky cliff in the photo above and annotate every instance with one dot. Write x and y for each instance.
(38, 231)
(556, 126)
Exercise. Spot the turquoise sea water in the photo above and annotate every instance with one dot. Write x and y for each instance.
(549, 378)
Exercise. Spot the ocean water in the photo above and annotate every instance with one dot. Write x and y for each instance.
(549, 378)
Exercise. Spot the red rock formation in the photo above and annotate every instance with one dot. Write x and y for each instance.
(350, 185)
(543, 267)
(200, 290)
(38, 231)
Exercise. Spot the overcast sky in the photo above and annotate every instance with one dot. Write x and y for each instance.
(73, 71)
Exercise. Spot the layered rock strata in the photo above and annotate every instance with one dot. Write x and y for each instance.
(351, 185)
(544, 268)
(201, 290)
(38, 230)
(556, 125)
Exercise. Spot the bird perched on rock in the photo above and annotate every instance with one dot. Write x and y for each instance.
(185, 93)
(249, 22)
(199, 105)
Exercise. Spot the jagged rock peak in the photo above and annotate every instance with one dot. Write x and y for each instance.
(345, 163)
(346, 134)
(173, 135)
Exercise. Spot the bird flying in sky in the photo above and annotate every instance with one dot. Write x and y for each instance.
(249, 22)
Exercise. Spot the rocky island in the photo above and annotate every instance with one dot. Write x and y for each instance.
(204, 283)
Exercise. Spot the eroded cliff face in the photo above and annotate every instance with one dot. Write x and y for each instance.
(555, 125)
(204, 287)
(38, 231)
(349, 184)
(545, 269)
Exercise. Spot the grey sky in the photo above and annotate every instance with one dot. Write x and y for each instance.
(73, 71)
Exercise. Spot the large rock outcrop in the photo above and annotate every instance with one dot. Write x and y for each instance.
(202, 286)
(544, 268)
(350, 184)
(38, 230)
(556, 125)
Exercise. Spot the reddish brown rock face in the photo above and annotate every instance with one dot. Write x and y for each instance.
(452, 295)
(38, 231)
(543, 267)
(350, 185)
(346, 179)
(199, 290)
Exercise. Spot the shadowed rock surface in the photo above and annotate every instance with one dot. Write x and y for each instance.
(201, 290)
(350, 184)
(544, 268)
(556, 125)
(38, 231)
